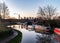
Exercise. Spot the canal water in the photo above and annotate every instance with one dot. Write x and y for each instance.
(30, 36)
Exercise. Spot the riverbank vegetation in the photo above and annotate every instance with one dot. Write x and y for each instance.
(4, 31)
(17, 39)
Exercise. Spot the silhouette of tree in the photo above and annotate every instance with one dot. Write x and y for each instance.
(0, 11)
(5, 10)
(46, 12)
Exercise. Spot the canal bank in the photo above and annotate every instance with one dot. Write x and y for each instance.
(13, 38)
(16, 39)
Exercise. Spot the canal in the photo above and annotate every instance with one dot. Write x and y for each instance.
(31, 36)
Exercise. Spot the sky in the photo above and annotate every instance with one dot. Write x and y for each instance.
(29, 7)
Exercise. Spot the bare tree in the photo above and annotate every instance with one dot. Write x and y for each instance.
(0, 11)
(5, 10)
(0, 8)
(46, 12)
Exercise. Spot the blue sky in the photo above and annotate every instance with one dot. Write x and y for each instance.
(29, 7)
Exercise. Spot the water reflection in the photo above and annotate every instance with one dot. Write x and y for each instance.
(43, 38)
(17, 26)
(29, 36)
(22, 27)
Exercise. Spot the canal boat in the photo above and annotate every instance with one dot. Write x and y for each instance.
(57, 35)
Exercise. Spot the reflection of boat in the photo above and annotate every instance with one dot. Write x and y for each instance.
(41, 29)
(37, 28)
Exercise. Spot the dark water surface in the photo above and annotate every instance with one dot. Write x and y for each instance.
(29, 36)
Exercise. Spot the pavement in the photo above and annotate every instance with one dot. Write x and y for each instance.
(5, 40)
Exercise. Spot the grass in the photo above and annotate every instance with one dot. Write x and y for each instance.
(2, 27)
(17, 39)
(4, 31)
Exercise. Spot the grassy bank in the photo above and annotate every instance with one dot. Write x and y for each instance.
(2, 27)
(17, 39)
(4, 32)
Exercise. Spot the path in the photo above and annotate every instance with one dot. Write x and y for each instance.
(9, 38)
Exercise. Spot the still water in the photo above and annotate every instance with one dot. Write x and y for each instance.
(29, 36)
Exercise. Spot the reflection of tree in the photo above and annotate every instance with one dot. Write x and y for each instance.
(43, 39)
